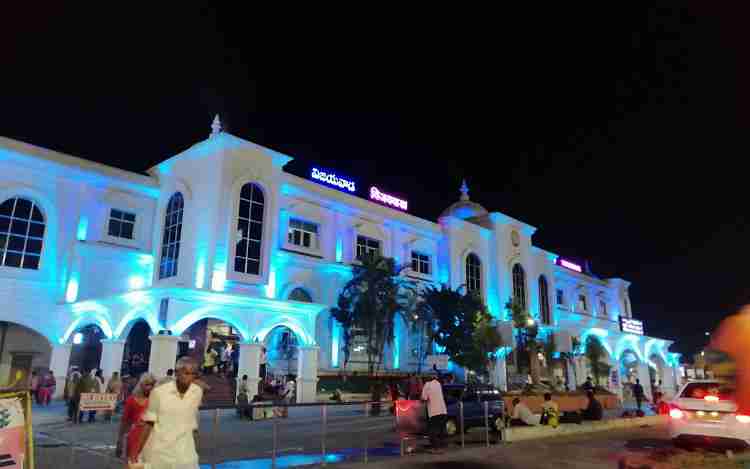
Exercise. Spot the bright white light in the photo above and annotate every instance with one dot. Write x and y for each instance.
(530, 322)
(218, 280)
(136, 282)
(71, 293)
(77, 338)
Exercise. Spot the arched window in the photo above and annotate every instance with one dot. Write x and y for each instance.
(544, 300)
(249, 230)
(473, 273)
(170, 244)
(299, 294)
(21, 233)
(519, 285)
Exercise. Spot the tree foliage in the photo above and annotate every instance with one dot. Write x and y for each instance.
(370, 301)
(461, 324)
(595, 352)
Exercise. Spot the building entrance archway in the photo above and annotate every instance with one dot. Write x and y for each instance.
(86, 353)
(137, 350)
(22, 350)
(282, 351)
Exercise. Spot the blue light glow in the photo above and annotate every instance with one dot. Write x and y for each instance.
(271, 287)
(339, 249)
(200, 276)
(335, 344)
(83, 228)
(397, 333)
(629, 342)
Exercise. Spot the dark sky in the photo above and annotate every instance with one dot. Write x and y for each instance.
(621, 134)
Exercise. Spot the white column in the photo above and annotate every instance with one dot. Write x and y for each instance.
(571, 374)
(59, 363)
(307, 373)
(163, 354)
(250, 365)
(111, 361)
(499, 373)
(645, 378)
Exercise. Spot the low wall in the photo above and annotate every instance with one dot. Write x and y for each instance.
(543, 431)
(566, 403)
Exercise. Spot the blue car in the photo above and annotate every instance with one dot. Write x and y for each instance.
(411, 416)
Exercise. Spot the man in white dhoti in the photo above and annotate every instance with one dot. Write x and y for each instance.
(169, 439)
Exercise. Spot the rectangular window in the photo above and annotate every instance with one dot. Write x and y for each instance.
(367, 247)
(303, 234)
(121, 224)
(602, 308)
(420, 263)
(582, 303)
(560, 297)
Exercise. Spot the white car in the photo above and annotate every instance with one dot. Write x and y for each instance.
(705, 412)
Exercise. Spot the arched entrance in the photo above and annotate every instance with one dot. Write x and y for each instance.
(282, 349)
(212, 335)
(628, 367)
(86, 353)
(135, 357)
(22, 350)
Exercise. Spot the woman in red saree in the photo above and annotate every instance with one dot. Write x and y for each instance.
(131, 423)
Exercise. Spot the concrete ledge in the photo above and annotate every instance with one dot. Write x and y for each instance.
(532, 433)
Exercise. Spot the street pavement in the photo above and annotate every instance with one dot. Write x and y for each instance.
(249, 445)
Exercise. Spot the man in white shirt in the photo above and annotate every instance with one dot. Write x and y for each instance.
(168, 439)
(522, 415)
(432, 394)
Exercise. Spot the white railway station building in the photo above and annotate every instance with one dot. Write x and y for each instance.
(220, 233)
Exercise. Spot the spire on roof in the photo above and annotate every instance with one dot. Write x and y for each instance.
(464, 191)
(216, 126)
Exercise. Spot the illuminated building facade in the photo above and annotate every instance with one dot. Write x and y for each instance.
(220, 231)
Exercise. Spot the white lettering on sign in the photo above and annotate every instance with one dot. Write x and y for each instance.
(631, 326)
(375, 194)
(332, 179)
(570, 265)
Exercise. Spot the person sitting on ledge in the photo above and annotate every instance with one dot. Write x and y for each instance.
(522, 415)
(594, 410)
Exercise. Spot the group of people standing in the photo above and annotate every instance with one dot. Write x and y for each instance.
(43, 387)
(221, 357)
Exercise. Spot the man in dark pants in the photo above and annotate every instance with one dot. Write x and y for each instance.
(432, 394)
(638, 393)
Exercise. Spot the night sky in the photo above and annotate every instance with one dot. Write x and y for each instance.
(621, 134)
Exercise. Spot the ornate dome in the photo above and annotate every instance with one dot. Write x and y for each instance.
(464, 208)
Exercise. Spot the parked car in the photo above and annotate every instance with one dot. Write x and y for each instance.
(705, 412)
(411, 416)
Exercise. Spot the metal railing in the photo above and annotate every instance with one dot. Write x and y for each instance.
(351, 431)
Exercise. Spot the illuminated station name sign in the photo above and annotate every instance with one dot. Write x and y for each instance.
(631, 326)
(569, 265)
(387, 199)
(331, 179)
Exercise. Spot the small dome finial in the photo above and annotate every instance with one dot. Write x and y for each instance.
(216, 126)
(464, 191)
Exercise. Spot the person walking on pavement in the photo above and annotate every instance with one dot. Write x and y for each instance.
(168, 440)
(639, 394)
(114, 386)
(132, 423)
(415, 387)
(588, 385)
(87, 384)
(432, 394)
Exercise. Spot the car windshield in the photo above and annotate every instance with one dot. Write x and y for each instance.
(701, 390)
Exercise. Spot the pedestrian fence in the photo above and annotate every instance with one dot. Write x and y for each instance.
(298, 434)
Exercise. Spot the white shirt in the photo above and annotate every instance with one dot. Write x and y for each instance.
(432, 392)
(521, 412)
(171, 444)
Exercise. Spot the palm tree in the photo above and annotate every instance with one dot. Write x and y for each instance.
(527, 338)
(370, 302)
